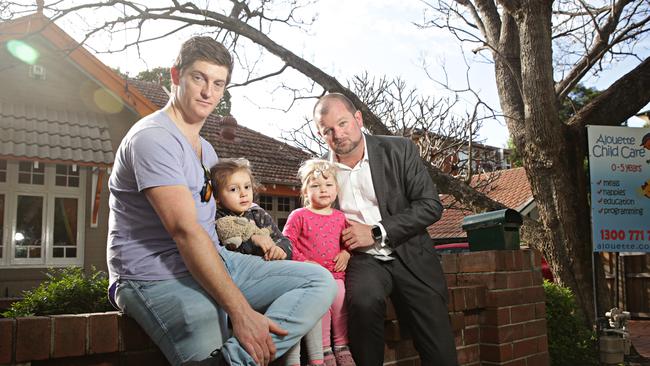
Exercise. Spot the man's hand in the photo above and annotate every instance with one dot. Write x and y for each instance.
(263, 241)
(253, 331)
(275, 253)
(341, 261)
(357, 235)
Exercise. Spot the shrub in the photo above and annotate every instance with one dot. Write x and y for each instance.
(66, 291)
(570, 342)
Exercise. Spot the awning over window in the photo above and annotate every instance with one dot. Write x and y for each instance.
(38, 132)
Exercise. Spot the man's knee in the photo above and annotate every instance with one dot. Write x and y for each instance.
(366, 306)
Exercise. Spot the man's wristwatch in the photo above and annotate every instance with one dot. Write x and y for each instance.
(376, 233)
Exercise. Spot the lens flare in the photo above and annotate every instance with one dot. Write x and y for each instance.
(22, 51)
(107, 102)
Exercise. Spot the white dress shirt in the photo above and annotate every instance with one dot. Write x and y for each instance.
(358, 201)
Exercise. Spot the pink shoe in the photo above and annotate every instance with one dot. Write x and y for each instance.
(329, 359)
(344, 357)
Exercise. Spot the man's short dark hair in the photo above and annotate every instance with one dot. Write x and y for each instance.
(201, 48)
(324, 102)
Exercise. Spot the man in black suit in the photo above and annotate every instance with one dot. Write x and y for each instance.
(389, 200)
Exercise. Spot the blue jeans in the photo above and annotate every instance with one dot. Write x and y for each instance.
(187, 324)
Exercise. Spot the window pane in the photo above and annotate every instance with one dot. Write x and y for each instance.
(23, 178)
(38, 179)
(65, 221)
(3, 173)
(29, 226)
(284, 204)
(266, 202)
(66, 177)
(27, 174)
(57, 253)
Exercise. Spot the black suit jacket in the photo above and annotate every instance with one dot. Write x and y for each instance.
(408, 203)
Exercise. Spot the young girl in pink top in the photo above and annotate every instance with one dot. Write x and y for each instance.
(315, 233)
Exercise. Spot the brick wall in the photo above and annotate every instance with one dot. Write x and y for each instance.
(496, 310)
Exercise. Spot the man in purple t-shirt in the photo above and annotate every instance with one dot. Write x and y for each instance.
(166, 268)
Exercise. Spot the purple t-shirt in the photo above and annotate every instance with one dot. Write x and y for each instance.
(153, 153)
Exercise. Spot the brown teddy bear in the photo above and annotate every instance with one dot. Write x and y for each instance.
(234, 230)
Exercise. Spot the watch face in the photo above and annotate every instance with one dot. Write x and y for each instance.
(376, 232)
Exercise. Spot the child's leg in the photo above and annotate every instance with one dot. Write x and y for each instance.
(314, 345)
(292, 357)
(326, 324)
(340, 328)
(339, 317)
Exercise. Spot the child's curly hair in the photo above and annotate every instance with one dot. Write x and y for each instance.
(314, 168)
(224, 168)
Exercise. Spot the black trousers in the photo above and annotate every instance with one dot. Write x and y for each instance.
(368, 282)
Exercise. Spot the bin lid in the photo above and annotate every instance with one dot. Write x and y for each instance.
(508, 217)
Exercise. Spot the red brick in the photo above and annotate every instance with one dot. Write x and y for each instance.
(491, 280)
(536, 259)
(535, 328)
(471, 335)
(6, 340)
(457, 321)
(520, 260)
(496, 352)
(542, 343)
(481, 297)
(519, 279)
(522, 313)
(495, 316)
(102, 333)
(458, 294)
(451, 280)
(69, 335)
(470, 297)
(524, 347)
(449, 263)
(517, 362)
(391, 331)
(32, 338)
(390, 310)
(468, 355)
(135, 339)
(540, 310)
(485, 261)
(540, 359)
(502, 334)
(405, 349)
(527, 295)
(389, 351)
(471, 319)
(538, 277)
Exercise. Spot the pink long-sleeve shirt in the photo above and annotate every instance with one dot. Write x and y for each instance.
(316, 237)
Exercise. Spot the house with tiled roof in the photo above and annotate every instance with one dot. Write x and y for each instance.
(509, 187)
(63, 114)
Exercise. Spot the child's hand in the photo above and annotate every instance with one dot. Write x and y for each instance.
(341, 261)
(263, 241)
(275, 253)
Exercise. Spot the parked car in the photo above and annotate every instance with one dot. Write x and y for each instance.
(464, 247)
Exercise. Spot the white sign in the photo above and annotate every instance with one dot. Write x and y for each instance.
(619, 166)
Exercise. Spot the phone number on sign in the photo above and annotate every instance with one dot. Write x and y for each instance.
(612, 234)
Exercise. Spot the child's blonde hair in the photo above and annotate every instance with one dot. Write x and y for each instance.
(224, 168)
(313, 168)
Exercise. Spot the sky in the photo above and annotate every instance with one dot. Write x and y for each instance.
(346, 39)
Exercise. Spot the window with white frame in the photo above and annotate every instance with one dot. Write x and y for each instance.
(41, 214)
(278, 207)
